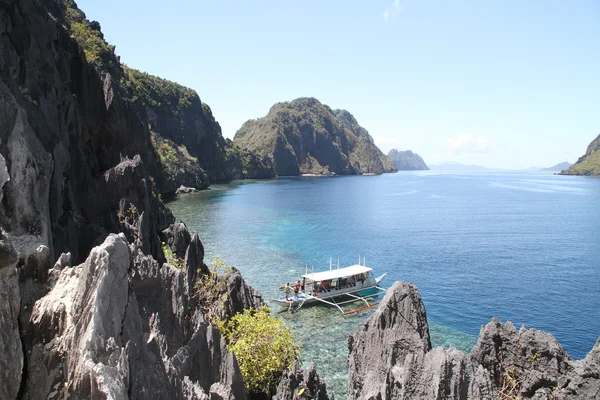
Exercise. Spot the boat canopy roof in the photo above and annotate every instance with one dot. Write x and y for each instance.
(338, 273)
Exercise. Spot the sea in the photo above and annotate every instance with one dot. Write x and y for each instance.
(520, 246)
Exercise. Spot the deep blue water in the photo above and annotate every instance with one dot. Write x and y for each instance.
(524, 247)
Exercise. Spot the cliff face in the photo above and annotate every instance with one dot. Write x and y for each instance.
(407, 160)
(78, 176)
(188, 145)
(589, 163)
(306, 137)
(391, 358)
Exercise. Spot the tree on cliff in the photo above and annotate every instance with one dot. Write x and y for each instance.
(263, 346)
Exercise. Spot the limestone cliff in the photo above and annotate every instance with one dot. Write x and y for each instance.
(391, 358)
(407, 160)
(78, 171)
(306, 137)
(589, 163)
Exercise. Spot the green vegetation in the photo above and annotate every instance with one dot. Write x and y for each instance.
(172, 157)
(263, 346)
(172, 259)
(212, 291)
(589, 163)
(162, 95)
(89, 36)
(307, 137)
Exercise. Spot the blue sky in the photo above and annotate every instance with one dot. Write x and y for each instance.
(509, 84)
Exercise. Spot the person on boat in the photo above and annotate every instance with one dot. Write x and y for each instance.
(296, 289)
(287, 290)
(299, 285)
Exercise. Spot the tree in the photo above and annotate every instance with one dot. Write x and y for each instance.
(263, 346)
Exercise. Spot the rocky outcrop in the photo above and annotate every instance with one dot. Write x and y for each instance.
(300, 383)
(306, 137)
(391, 358)
(407, 160)
(11, 359)
(178, 239)
(589, 163)
(241, 296)
(120, 326)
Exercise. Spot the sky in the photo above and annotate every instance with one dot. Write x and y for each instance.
(504, 84)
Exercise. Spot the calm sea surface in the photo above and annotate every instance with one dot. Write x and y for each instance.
(524, 247)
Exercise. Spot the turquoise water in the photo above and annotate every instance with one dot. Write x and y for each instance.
(520, 246)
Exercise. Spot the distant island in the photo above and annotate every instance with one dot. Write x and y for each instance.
(407, 160)
(304, 136)
(558, 167)
(589, 163)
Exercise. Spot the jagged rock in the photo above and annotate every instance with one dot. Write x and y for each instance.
(241, 295)
(64, 261)
(535, 357)
(390, 358)
(194, 262)
(11, 353)
(306, 380)
(394, 338)
(178, 239)
(584, 381)
(77, 326)
(96, 334)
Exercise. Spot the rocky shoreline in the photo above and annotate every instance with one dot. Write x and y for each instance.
(391, 358)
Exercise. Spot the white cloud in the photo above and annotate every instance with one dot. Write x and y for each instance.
(468, 144)
(393, 11)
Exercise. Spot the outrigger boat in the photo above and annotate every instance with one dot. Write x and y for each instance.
(335, 287)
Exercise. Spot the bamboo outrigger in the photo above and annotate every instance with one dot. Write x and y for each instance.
(349, 284)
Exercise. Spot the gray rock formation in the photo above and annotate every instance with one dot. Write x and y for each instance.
(194, 262)
(4, 177)
(407, 160)
(298, 383)
(11, 353)
(178, 239)
(241, 296)
(391, 358)
(120, 327)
